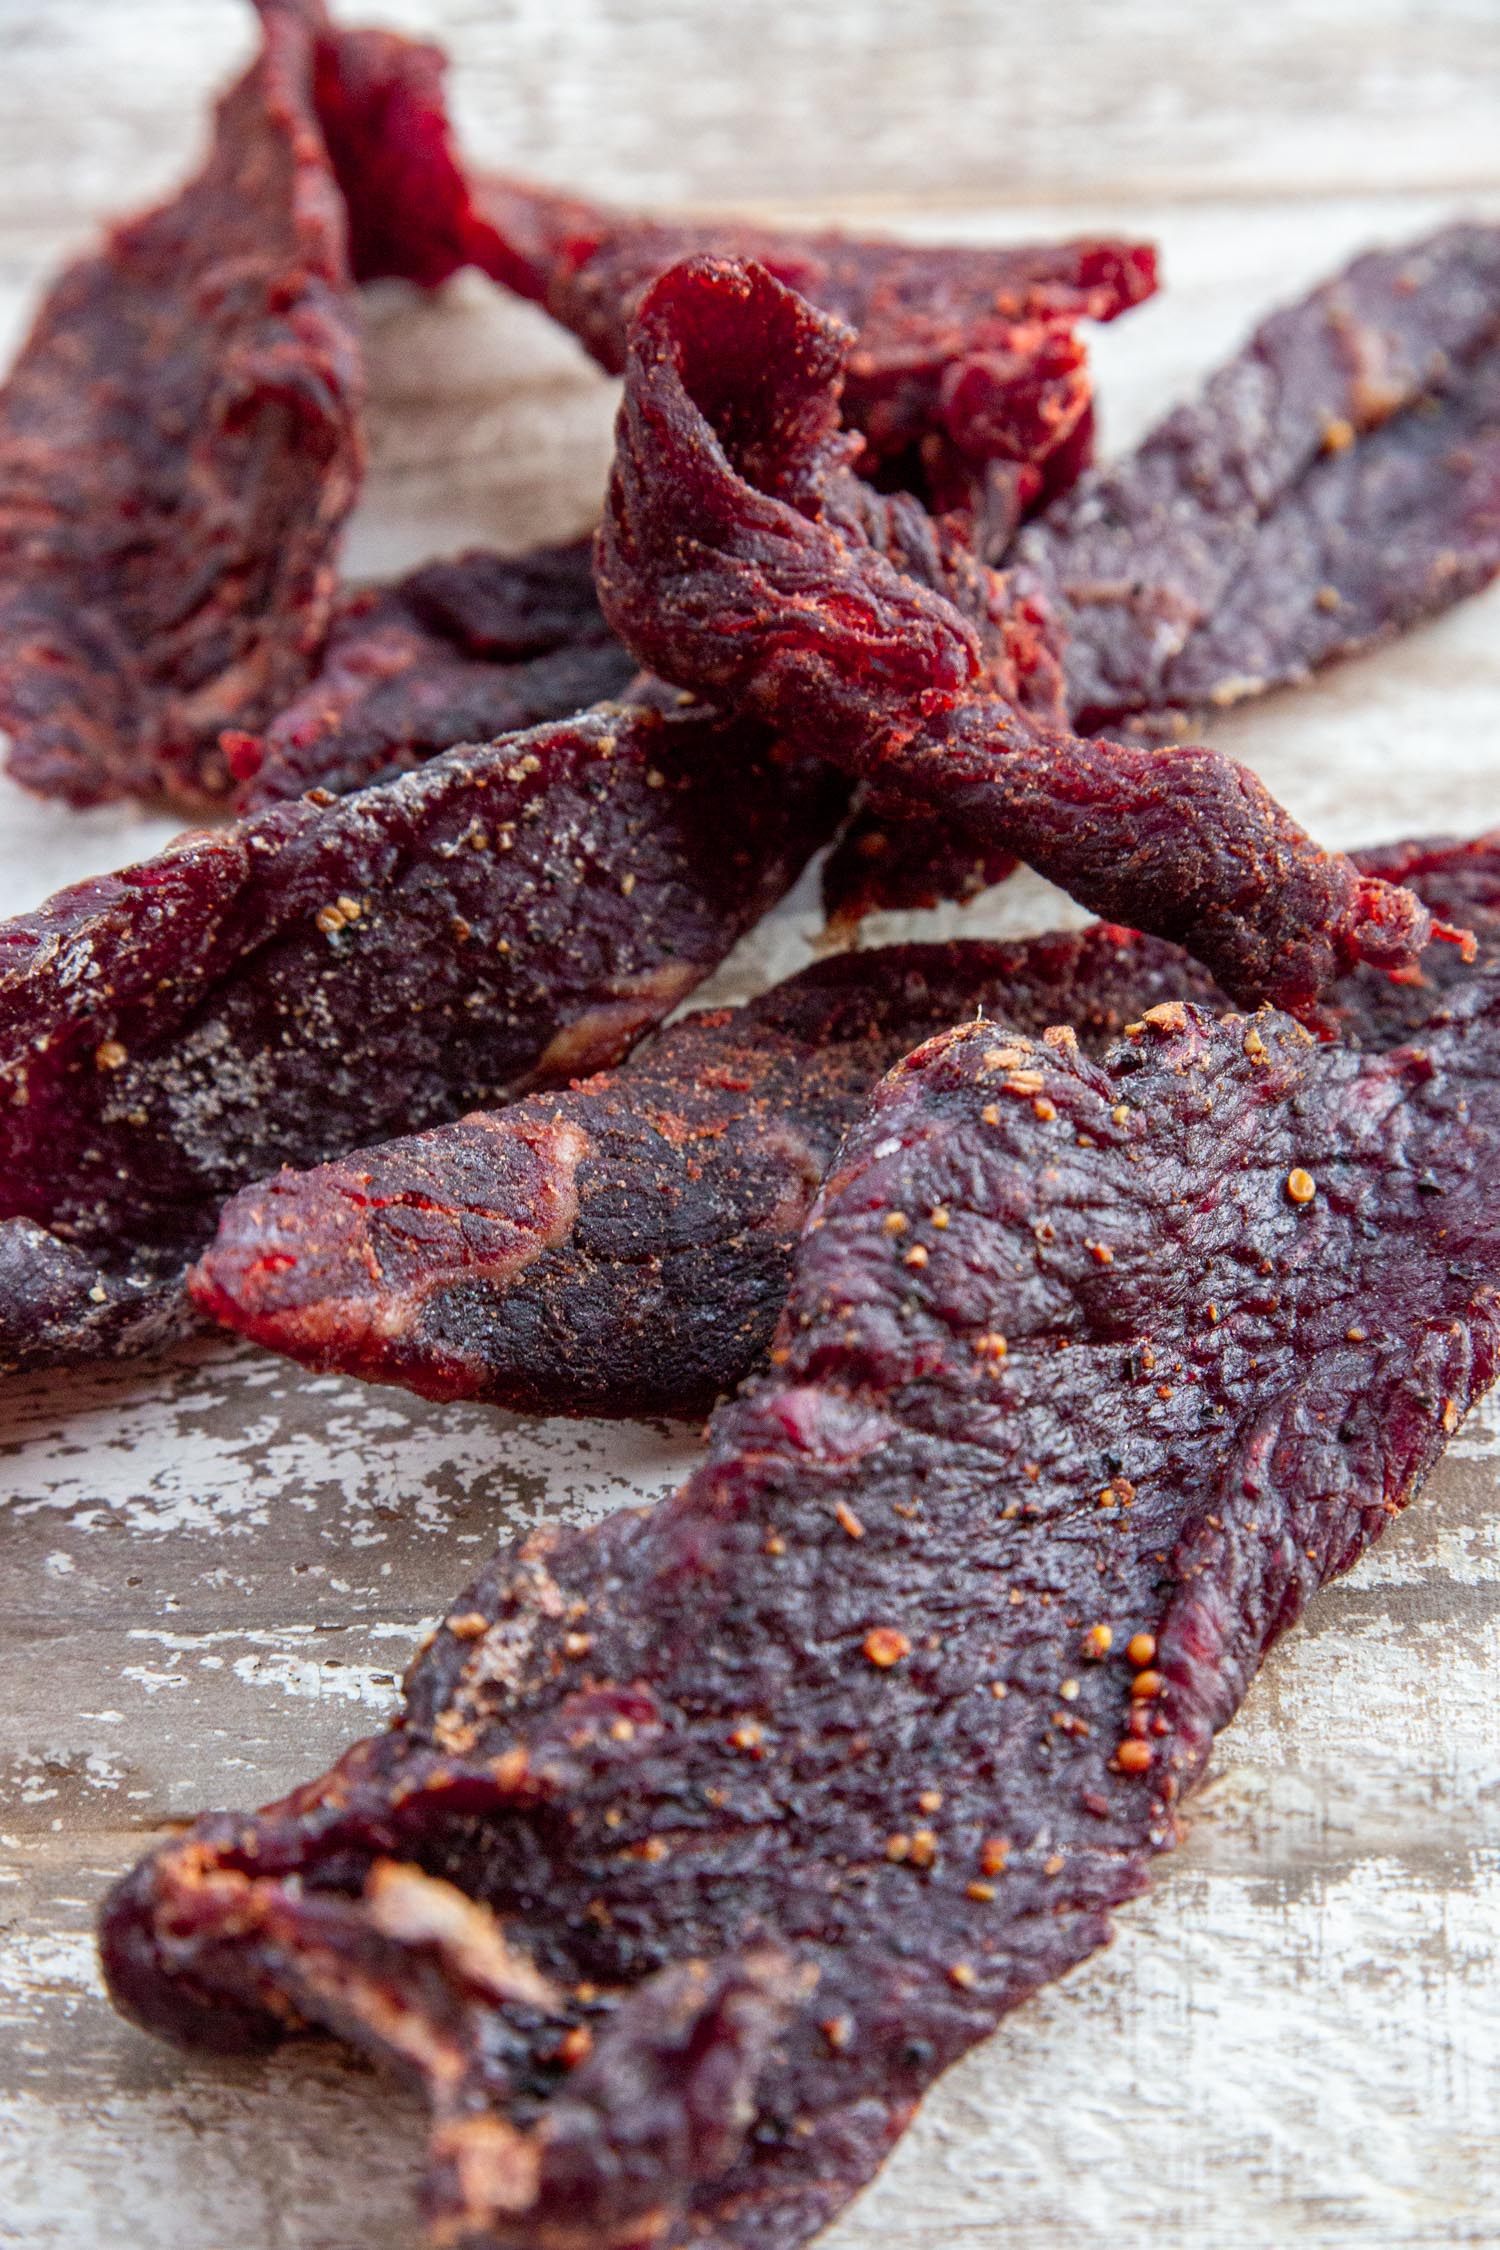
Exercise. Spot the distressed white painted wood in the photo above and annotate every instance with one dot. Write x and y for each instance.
(214, 1567)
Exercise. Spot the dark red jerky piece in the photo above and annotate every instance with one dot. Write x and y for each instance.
(383, 111)
(319, 975)
(624, 1246)
(456, 652)
(178, 450)
(1335, 483)
(969, 382)
(965, 357)
(1138, 1384)
(891, 860)
(729, 562)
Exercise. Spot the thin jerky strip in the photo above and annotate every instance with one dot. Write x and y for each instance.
(288, 988)
(969, 383)
(1089, 1376)
(178, 450)
(456, 652)
(730, 562)
(624, 1246)
(1334, 484)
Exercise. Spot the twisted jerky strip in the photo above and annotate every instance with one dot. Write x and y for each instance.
(709, 1836)
(623, 1245)
(1335, 483)
(179, 447)
(323, 972)
(731, 560)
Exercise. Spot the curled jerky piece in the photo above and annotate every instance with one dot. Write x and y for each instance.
(1336, 482)
(731, 562)
(1089, 1376)
(456, 652)
(624, 1245)
(178, 450)
(323, 973)
(969, 382)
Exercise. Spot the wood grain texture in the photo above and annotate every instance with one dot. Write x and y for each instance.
(215, 1566)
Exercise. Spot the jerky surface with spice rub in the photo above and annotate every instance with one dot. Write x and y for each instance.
(623, 1246)
(321, 973)
(710, 1836)
(1335, 483)
(732, 561)
(455, 652)
(178, 450)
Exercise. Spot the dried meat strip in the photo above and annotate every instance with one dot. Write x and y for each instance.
(455, 652)
(969, 382)
(179, 447)
(709, 1836)
(1335, 483)
(623, 1246)
(323, 973)
(459, 651)
(733, 561)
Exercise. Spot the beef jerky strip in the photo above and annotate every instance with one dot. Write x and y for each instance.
(969, 382)
(484, 645)
(1089, 1376)
(1336, 482)
(731, 562)
(460, 651)
(436, 1261)
(456, 652)
(322, 974)
(179, 447)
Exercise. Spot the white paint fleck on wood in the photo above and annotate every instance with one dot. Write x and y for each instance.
(215, 1566)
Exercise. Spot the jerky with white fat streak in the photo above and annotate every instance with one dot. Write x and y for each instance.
(319, 974)
(623, 1245)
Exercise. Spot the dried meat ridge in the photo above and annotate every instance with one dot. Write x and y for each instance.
(179, 447)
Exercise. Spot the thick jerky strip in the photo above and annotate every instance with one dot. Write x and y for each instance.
(178, 450)
(1089, 1376)
(624, 1245)
(731, 562)
(969, 382)
(319, 974)
(1336, 482)
(456, 652)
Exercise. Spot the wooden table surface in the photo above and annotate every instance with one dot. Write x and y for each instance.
(214, 1567)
